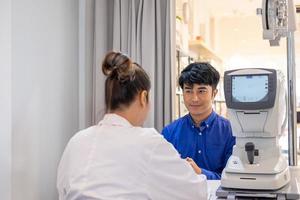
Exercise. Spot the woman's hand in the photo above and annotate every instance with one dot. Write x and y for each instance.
(194, 165)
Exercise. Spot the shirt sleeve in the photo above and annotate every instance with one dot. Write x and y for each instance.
(170, 177)
(166, 133)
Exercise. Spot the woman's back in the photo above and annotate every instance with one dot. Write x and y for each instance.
(115, 160)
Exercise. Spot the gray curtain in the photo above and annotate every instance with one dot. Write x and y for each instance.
(140, 29)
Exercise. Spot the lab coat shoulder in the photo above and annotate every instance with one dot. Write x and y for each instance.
(168, 176)
(68, 165)
(81, 137)
(75, 145)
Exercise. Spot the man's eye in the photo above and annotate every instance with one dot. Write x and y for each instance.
(188, 91)
(202, 91)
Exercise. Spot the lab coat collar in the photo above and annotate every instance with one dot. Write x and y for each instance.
(114, 120)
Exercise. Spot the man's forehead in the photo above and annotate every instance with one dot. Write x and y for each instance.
(195, 85)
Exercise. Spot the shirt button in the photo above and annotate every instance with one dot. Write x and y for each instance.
(199, 151)
(200, 133)
(207, 126)
(193, 126)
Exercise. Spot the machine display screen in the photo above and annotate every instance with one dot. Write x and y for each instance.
(250, 88)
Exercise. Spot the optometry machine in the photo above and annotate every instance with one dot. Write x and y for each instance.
(256, 102)
(256, 105)
(258, 108)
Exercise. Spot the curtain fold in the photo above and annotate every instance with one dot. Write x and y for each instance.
(140, 29)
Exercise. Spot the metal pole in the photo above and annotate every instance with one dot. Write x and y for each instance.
(292, 123)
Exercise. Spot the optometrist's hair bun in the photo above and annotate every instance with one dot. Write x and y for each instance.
(125, 80)
(118, 66)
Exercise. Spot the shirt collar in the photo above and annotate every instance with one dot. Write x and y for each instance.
(114, 120)
(207, 122)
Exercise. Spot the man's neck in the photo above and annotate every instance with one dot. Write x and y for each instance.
(201, 117)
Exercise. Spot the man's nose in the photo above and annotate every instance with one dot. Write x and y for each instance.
(195, 97)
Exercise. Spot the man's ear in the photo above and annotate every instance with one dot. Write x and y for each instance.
(215, 92)
(144, 98)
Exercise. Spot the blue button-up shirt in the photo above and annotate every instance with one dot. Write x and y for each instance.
(209, 145)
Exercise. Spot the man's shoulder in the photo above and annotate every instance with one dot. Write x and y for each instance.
(224, 124)
(177, 122)
(174, 126)
(222, 120)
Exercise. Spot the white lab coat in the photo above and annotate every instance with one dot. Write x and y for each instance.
(115, 160)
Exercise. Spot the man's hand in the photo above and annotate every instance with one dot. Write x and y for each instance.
(194, 165)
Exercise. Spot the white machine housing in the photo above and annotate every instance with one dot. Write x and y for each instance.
(257, 114)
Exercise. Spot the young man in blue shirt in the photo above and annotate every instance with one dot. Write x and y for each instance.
(202, 137)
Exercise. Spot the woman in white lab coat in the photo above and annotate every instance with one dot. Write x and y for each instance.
(118, 159)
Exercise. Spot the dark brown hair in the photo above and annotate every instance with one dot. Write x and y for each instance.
(125, 79)
(199, 73)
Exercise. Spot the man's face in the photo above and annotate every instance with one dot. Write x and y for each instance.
(198, 98)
